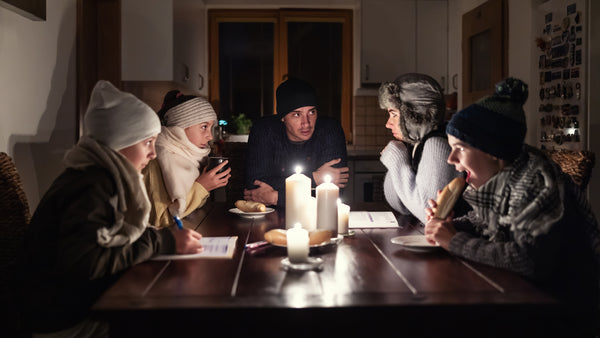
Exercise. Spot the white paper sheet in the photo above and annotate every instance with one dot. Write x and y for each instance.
(214, 247)
(372, 219)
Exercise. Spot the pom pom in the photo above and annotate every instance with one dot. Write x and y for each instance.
(513, 89)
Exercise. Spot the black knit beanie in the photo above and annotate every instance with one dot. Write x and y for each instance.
(293, 94)
(495, 124)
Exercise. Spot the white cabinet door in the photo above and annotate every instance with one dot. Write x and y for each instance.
(146, 40)
(388, 39)
(432, 40)
(402, 36)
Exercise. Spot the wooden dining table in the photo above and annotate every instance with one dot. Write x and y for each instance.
(366, 286)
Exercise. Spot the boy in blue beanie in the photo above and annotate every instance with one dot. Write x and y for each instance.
(528, 216)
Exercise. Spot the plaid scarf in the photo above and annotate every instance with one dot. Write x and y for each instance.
(525, 199)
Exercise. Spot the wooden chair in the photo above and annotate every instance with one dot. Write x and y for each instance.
(577, 164)
(14, 219)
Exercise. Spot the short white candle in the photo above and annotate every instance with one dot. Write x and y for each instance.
(343, 217)
(297, 192)
(297, 244)
(327, 196)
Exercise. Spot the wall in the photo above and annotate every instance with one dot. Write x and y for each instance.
(593, 20)
(37, 100)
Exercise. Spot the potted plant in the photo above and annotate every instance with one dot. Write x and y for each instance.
(241, 124)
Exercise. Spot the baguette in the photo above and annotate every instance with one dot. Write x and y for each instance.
(250, 206)
(448, 197)
(279, 237)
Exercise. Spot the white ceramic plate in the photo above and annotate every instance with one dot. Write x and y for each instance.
(416, 243)
(251, 214)
(332, 241)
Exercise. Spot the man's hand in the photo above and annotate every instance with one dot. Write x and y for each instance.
(339, 176)
(264, 194)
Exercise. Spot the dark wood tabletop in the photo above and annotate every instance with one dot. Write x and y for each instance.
(367, 285)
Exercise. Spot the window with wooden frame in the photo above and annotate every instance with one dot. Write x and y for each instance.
(253, 51)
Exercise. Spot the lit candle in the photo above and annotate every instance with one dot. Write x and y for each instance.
(310, 213)
(343, 216)
(297, 244)
(327, 196)
(297, 192)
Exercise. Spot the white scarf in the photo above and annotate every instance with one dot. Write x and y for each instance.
(179, 160)
(131, 204)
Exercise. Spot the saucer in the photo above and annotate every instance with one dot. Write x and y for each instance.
(251, 214)
(312, 263)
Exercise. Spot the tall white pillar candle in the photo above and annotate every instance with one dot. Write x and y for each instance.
(297, 244)
(343, 217)
(310, 212)
(297, 192)
(327, 196)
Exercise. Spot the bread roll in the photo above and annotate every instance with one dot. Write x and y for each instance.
(250, 206)
(318, 236)
(448, 197)
(279, 237)
(276, 237)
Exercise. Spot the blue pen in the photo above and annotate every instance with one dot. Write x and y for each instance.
(178, 222)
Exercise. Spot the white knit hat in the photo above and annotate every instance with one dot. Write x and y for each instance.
(118, 119)
(188, 113)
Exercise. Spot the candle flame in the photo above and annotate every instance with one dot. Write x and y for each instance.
(298, 169)
(327, 179)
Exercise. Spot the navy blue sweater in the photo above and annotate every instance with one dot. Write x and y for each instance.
(272, 157)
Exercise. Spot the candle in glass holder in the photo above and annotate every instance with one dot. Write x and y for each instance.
(297, 192)
(343, 217)
(327, 214)
(297, 244)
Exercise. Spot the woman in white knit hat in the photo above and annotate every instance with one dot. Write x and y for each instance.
(174, 182)
(92, 224)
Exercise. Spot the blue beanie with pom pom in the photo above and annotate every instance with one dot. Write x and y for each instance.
(495, 124)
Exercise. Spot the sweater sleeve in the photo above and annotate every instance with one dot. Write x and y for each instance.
(79, 253)
(507, 255)
(408, 191)
(332, 135)
(263, 145)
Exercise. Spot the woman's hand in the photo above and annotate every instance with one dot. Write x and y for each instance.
(187, 241)
(339, 176)
(212, 180)
(264, 194)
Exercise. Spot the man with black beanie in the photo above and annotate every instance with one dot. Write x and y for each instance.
(295, 136)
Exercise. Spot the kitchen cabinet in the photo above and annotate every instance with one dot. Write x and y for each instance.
(155, 42)
(146, 40)
(402, 36)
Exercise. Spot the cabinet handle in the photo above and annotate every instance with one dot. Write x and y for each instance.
(454, 78)
(366, 72)
(201, 81)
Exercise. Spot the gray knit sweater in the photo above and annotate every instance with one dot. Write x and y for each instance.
(407, 190)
